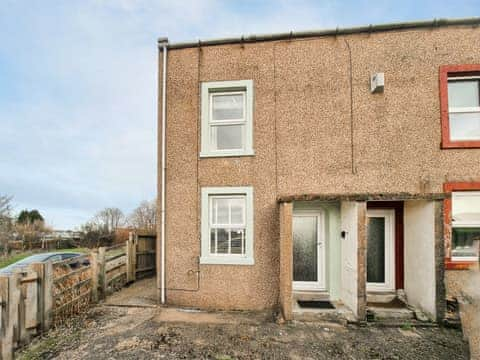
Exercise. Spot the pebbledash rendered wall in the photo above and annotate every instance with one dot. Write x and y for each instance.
(302, 140)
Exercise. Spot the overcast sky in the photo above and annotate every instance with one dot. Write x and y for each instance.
(78, 86)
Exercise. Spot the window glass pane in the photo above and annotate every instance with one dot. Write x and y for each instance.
(463, 93)
(305, 248)
(237, 206)
(227, 137)
(220, 211)
(376, 250)
(238, 241)
(466, 207)
(225, 212)
(465, 126)
(213, 248)
(227, 107)
(466, 241)
(222, 241)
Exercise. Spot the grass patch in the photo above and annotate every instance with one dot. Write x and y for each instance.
(5, 261)
(46, 348)
(79, 250)
(54, 341)
(407, 326)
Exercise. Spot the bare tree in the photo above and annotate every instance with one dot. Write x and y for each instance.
(6, 221)
(5, 205)
(144, 216)
(109, 219)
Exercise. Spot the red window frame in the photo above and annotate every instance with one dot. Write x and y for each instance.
(452, 71)
(447, 216)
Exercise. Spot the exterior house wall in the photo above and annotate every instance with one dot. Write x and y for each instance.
(420, 255)
(286, 261)
(303, 140)
(349, 275)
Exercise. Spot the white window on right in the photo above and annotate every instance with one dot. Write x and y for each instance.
(465, 225)
(464, 108)
(227, 118)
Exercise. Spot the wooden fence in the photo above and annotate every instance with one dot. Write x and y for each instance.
(47, 294)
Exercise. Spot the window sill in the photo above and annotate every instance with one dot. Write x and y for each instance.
(471, 144)
(227, 154)
(459, 264)
(226, 260)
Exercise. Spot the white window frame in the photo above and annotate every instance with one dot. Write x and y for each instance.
(227, 259)
(389, 284)
(228, 225)
(223, 88)
(462, 110)
(463, 224)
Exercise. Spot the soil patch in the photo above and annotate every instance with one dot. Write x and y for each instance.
(111, 332)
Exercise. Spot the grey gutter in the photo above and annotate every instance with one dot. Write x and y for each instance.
(475, 21)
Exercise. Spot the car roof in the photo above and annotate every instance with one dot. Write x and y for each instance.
(43, 256)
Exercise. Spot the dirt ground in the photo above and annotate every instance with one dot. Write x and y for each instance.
(143, 331)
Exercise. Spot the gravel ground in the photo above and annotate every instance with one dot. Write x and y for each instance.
(145, 332)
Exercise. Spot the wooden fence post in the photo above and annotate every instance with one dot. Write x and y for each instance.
(10, 334)
(14, 303)
(21, 330)
(39, 269)
(47, 297)
(95, 275)
(44, 294)
(102, 274)
(128, 258)
(134, 256)
(4, 312)
(131, 256)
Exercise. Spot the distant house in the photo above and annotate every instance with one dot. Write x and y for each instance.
(337, 166)
(60, 238)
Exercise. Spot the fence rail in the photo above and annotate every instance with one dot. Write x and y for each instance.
(47, 294)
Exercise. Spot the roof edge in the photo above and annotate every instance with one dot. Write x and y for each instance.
(400, 196)
(326, 32)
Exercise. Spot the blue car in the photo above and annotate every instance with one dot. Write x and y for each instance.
(43, 258)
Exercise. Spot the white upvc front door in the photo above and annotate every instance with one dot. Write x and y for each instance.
(309, 250)
(381, 250)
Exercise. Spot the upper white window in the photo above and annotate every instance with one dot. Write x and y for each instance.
(227, 116)
(227, 225)
(465, 225)
(464, 108)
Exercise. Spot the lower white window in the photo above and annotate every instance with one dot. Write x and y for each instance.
(465, 225)
(227, 225)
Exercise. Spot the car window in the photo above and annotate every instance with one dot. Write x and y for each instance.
(54, 258)
(68, 256)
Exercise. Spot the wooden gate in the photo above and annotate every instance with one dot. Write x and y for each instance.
(145, 249)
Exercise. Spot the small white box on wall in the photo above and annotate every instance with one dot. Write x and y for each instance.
(377, 82)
